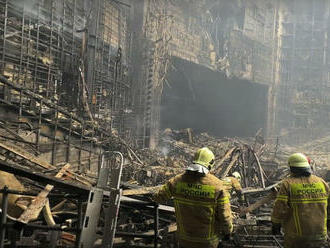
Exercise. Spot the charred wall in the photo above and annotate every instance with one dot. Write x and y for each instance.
(232, 37)
(208, 101)
(73, 52)
(64, 73)
(302, 111)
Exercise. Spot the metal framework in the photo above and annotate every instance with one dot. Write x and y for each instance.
(63, 67)
(304, 75)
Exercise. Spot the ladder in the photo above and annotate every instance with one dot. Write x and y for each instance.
(95, 200)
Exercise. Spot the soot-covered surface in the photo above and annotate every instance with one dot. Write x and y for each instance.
(207, 101)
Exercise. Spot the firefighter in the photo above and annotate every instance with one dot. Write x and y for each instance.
(301, 206)
(201, 203)
(233, 183)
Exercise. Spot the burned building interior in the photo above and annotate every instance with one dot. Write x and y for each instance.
(103, 101)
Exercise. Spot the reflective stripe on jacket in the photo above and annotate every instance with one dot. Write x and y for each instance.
(202, 208)
(301, 207)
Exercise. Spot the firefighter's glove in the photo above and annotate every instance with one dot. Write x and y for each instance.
(226, 237)
(276, 229)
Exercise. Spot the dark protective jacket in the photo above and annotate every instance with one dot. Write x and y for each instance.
(301, 207)
(202, 208)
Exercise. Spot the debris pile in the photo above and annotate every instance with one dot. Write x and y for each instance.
(252, 158)
(257, 162)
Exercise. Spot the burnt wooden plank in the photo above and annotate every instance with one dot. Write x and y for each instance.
(34, 209)
(68, 187)
(31, 158)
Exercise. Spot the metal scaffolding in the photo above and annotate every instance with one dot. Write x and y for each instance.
(63, 65)
(302, 112)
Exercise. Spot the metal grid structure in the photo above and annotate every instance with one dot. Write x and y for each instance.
(45, 45)
(107, 73)
(302, 111)
(250, 58)
(39, 44)
(155, 56)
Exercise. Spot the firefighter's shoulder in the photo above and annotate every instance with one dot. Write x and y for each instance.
(213, 180)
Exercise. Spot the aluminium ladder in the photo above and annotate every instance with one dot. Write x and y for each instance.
(94, 204)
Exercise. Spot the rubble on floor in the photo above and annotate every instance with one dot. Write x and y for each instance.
(257, 162)
(177, 148)
(261, 165)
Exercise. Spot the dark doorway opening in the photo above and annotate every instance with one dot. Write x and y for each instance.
(208, 101)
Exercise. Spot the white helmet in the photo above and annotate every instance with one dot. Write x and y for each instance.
(237, 175)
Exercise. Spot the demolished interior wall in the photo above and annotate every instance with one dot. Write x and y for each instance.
(238, 45)
(168, 30)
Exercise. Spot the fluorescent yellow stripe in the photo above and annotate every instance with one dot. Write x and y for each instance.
(179, 218)
(325, 225)
(308, 201)
(282, 198)
(325, 218)
(192, 202)
(223, 200)
(211, 233)
(317, 199)
(296, 219)
(279, 199)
